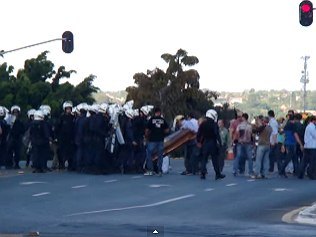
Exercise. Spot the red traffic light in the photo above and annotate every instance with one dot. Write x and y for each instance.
(306, 13)
(306, 8)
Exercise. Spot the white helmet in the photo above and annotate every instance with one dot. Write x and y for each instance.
(67, 104)
(103, 108)
(15, 107)
(94, 108)
(83, 106)
(129, 113)
(38, 115)
(45, 107)
(128, 105)
(30, 113)
(45, 111)
(2, 111)
(212, 114)
(136, 112)
(146, 109)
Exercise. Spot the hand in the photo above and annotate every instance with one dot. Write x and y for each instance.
(134, 143)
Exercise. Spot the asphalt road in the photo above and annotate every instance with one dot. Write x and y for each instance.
(71, 204)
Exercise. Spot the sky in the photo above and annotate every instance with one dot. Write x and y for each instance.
(240, 44)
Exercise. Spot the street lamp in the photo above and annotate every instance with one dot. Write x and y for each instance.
(304, 80)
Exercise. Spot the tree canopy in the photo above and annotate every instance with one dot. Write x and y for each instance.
(176, 90)
(38, 83)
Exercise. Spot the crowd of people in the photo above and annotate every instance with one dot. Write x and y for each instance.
(266, 144)
(103, 138)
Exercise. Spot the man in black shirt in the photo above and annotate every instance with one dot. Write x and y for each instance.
(155, 132)
(209, 141)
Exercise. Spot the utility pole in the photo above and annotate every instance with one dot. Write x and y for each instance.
(305, 80)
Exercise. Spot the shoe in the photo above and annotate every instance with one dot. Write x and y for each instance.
(184, 173)
(159, 174)
(283, 175)
(202, 176)
(253, 176)
(220, 176)
(148, 173)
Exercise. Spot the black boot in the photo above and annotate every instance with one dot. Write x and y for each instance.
(220, 176)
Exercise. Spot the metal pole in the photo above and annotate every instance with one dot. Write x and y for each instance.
(2, 52)
(305, 80)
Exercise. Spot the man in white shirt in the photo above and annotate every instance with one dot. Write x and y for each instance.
(190, 158)
(273, 141)
(309, 158)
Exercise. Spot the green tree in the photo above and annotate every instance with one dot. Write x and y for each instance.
(38, 83)
(176, 91)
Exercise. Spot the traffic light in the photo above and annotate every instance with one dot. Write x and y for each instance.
(68, 42)
(306, 13)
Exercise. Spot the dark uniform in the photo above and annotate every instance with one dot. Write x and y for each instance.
(65, 130)
(4, 130)
(39, 136)
(15, 144)
(80, 125)
(139, 125)
(99, 127)
(209, 138)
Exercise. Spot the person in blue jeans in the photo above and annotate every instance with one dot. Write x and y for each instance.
(244, 145)
(263, 130)
(155, 132)
(291, 139)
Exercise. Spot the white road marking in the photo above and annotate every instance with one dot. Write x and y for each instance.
(208, 189)
(138, 177)
(251, 180)
(79, 186)
(230, 185)
(134, 207)
(159, 185)
(30, 183)
(280, 189)
(40, 194)
(110, 181)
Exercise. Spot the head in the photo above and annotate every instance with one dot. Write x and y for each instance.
(157, 111)
(15, 110)
(265, 120)
(271, 113)
(39, 115)
(221, 123)
(2, 112)
(291, 111)
(129, 113)
(67, 107)
(245, 117)
(312, 119)
(212, 114)
(297, 117)
(238, 115)
(191, 115)
(291, 117)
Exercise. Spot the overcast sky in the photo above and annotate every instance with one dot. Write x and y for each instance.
(241, 44)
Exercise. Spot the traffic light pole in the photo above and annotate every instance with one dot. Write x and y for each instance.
(2, 52)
